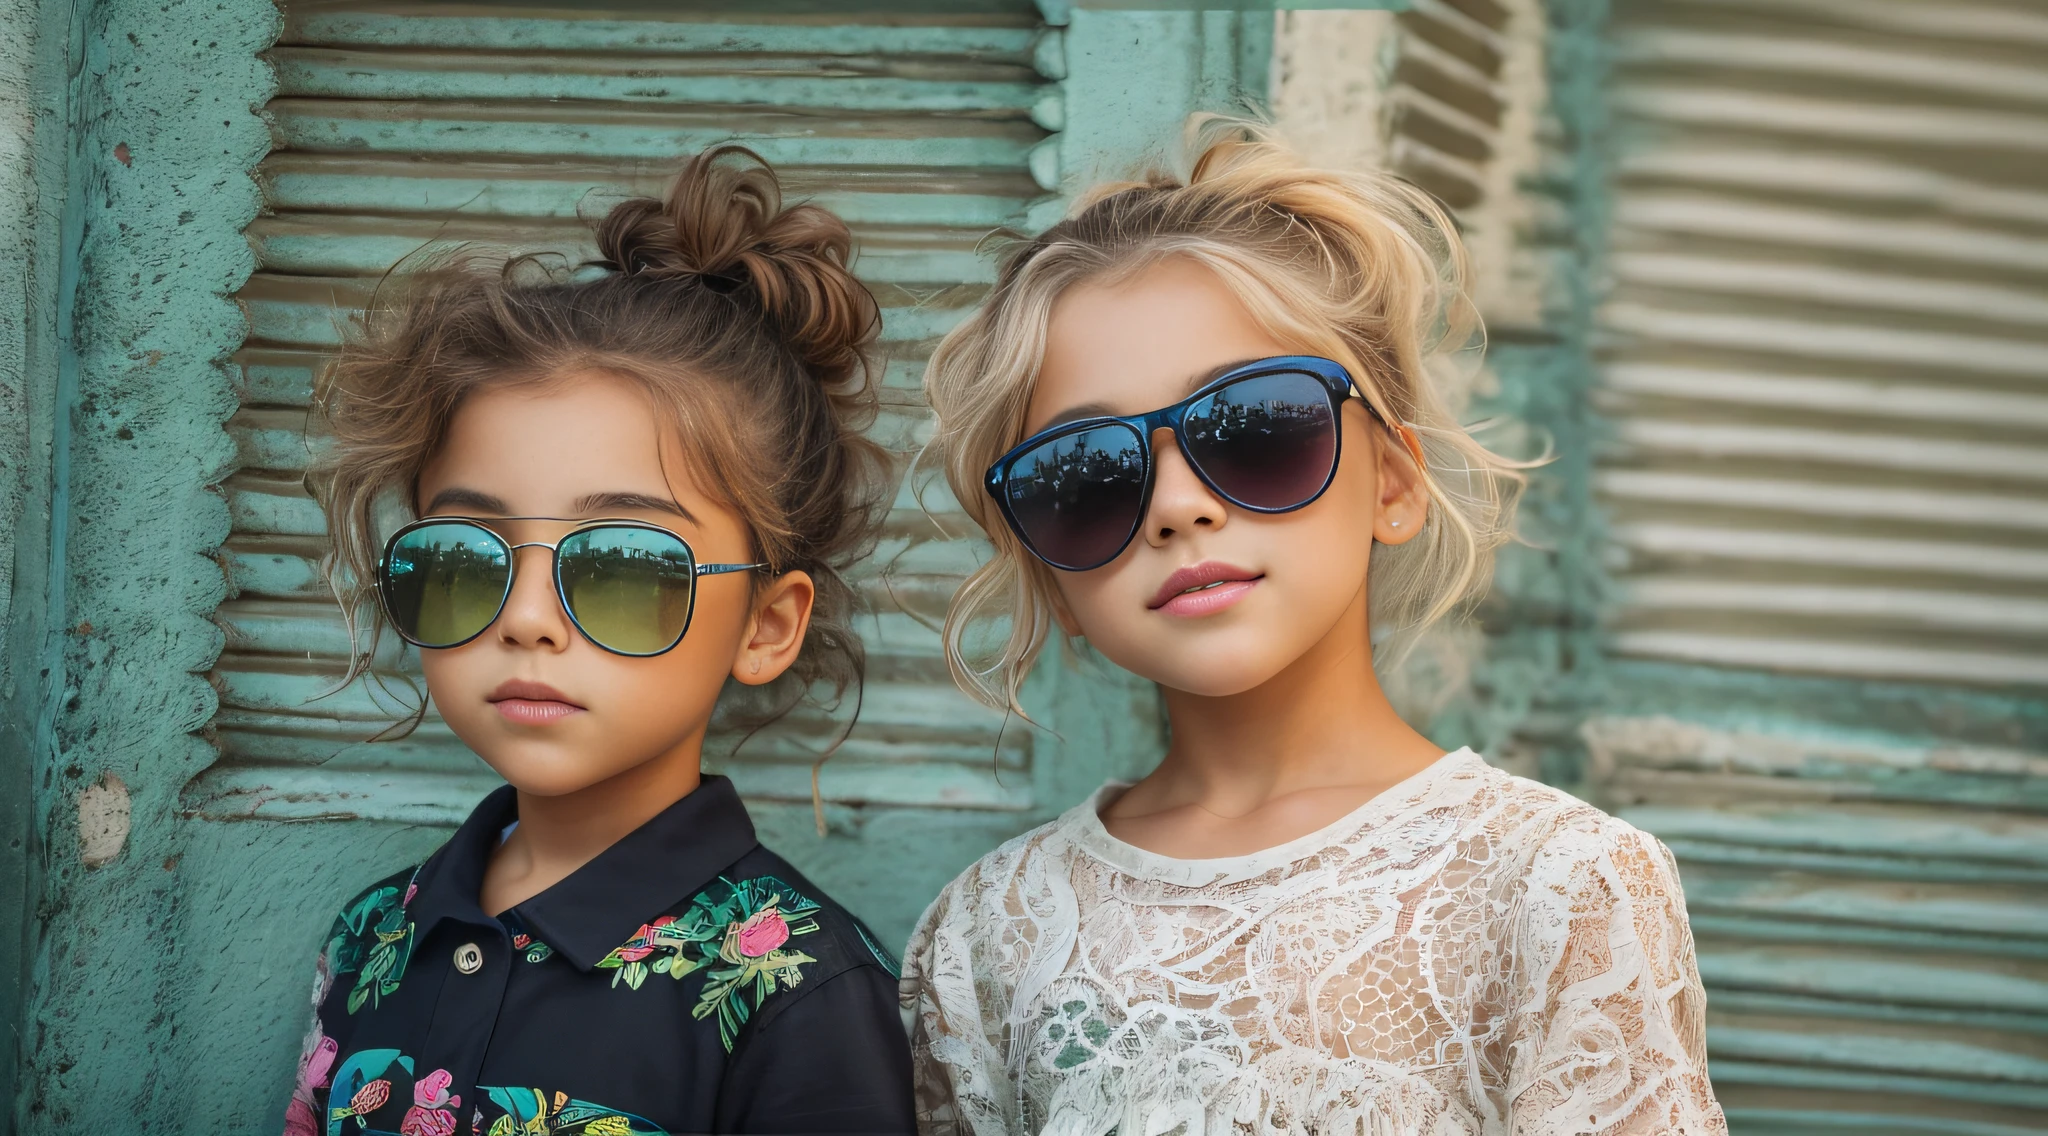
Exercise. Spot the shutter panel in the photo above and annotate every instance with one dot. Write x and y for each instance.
(1822, 363)
(1445, 104)
(1829, 322)
(398, 126)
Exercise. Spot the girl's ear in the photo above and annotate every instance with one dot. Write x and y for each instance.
(775, 633)
(1404, 501)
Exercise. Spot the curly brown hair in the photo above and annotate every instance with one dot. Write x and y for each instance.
(737, 315)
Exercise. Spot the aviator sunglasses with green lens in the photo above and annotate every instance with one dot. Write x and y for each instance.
(629, 587)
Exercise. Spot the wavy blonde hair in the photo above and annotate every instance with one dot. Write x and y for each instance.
(1360, 268)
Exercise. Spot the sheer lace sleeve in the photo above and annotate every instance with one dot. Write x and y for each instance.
(954, 1010)
(1611, 1037)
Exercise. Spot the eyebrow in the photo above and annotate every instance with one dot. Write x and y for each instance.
(588, 505)
(1098, 410)
(615, 501)
(470, 499)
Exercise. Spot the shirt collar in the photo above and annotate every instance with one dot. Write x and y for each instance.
(600, 905)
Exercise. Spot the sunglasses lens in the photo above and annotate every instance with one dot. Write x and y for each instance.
(628, 588)
(1077, 498)
(443, 583)
(1269, 441)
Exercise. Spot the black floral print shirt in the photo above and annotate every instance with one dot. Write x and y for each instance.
(686, 980)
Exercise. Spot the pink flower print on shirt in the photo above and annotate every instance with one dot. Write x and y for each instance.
(431, 1091)
(763, 931)
(298, 1119)
(314, 1068)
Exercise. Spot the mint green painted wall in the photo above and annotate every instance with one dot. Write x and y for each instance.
(1132, 77)
(32, 145)
(157, 134)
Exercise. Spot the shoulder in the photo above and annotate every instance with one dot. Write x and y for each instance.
(1530, 828)
(772, 940)
(988, 888)
(766, 904)
(1585, 868)
(1579, 841)
(989, 919)
(370, 940)
(1532, 846)
(1600, 866)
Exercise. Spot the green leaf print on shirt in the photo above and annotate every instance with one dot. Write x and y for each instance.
(372, 939)
(535, 950)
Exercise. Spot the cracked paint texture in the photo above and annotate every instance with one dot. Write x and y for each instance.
(162, 134)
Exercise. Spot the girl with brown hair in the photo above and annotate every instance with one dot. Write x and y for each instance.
(1203, 420)
(619, 489)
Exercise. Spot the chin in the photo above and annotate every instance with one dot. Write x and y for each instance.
(543, 775)
(1218, 683)
(544, 783)
(1216, 671)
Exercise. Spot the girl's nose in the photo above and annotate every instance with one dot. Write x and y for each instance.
(1181, 503)
(533, 615)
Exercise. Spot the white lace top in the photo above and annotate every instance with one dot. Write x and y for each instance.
(1469, 952)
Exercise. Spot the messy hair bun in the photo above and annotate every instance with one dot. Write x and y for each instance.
(740, 319)
(723, 224)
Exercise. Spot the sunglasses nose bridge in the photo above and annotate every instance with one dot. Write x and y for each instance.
(534, 616)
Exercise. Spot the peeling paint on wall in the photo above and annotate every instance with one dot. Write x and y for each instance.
(103, 815)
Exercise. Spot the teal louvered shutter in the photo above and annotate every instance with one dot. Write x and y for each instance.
(398, 127)
(1824, 354)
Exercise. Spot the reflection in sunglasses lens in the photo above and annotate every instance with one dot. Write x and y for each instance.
(443, 583)
(1077, 498)
(628, 588)
(1269, 441)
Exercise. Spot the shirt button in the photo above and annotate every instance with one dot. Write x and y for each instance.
(469, 958)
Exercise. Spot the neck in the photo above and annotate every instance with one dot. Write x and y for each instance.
(559, 834)
(1323, 722)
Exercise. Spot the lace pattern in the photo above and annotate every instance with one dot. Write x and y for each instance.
(1469, 952)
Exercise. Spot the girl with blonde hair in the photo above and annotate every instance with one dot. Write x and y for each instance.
(1203, 423)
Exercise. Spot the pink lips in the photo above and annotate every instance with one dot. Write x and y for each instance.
(531, 703)
(1217, 586)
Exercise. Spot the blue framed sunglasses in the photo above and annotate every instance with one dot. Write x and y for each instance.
(1264, 437)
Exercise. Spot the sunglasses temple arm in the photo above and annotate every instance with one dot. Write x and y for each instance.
(722, 569)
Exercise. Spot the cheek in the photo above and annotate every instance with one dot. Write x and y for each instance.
(1096, 595)
(1345, 511)
(1330, 542)
(687, 678)
(456, 676)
